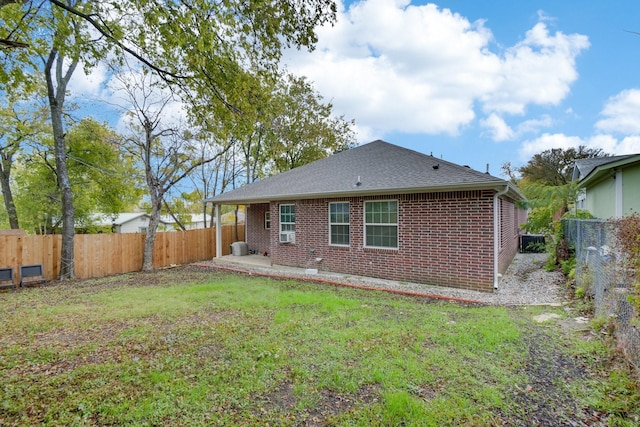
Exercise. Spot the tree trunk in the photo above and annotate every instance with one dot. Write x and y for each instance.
(5, 183)
(150, 238)
(56, 91)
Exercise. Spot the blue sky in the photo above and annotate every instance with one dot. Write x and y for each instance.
(482, 81)
(476, 82)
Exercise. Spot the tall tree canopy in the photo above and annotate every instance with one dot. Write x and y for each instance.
(554, 167)
(102, 177)
(202, 48)
(546, 182)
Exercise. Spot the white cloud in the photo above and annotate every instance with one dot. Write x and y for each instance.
(83, 85)
(621, 113)
(548, 141)
(628, 145)
(534, 125)
(608, 143)
(394, 66)
(497, 127)
(500, 131)
(538, 70)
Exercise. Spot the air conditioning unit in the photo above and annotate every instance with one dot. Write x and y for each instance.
(288, 237)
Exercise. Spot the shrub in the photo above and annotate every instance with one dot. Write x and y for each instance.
(627, 232)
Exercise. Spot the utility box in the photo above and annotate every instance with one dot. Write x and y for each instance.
(532, 243)
(239, 249)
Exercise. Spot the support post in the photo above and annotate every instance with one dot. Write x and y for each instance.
(218, 231)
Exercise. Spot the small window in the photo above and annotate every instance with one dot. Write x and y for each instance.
(142, 229)
(339, 223)
(287, 218)
(381, 224)
(267, 220)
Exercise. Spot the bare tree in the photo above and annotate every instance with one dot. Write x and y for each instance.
(168, 152)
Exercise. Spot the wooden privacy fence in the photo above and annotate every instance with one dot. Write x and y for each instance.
(99, 255)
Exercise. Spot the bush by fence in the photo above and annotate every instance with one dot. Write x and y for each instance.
(602, 273)
(99, 255)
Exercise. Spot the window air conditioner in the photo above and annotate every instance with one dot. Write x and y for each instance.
(288, 237)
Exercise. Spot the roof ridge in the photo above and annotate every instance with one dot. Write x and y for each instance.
(377, 167)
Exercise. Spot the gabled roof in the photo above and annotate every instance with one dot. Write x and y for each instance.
(374, 168)
(192, 219)
(586, 170)
(107, 220)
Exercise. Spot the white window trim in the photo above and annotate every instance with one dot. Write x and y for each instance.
(339, 223)
(364, 225)
(280, 218)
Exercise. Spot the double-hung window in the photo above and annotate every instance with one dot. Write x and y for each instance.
(339, 223)
(381, 224)
(287, 218)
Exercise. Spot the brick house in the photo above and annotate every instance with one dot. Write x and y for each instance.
(384, 211)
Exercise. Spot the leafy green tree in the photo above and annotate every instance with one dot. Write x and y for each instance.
(546, 182)
(554, 167)
(284, 124)
(200, 47)
(19, 125)
(103, 178)
(304, 128)
(58, 41)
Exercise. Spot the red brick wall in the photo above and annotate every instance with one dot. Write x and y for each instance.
(444, 239)
(509, 232)
(258, 238)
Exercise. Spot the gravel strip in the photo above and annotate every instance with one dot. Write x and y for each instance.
(525, 282)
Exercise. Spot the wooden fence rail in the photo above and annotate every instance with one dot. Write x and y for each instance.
(99, 255)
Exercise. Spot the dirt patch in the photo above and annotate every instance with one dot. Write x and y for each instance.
(544, 398)
(327, 403)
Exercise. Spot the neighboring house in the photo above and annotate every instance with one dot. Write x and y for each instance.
(383, 211)
(138, 222)
(193, 222)
(609, 186)
(230, 217)
(132, 222)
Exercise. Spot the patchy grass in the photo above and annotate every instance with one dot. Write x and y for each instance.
(194, 347)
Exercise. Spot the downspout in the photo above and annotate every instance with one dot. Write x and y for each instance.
(496, 243)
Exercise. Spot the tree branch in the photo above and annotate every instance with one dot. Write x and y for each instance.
(105, 31)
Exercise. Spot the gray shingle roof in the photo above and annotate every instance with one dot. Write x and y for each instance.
(380, 167)
(583, 167)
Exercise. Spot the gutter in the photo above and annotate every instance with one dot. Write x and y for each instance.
(496, 243)
(360, 192)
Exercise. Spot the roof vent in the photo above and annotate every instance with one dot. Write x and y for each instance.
(358, 183)
(436, 166)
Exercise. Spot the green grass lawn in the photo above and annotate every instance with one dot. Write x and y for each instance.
(195, 347)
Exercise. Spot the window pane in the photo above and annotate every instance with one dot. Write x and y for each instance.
(377, 214)
(287, 227)
(339, 234)
(339, 223)
(381, 212)
(383, 236)
(287, 217)
(339, 213)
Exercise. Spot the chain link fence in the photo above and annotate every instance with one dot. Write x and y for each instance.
(602, 274)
